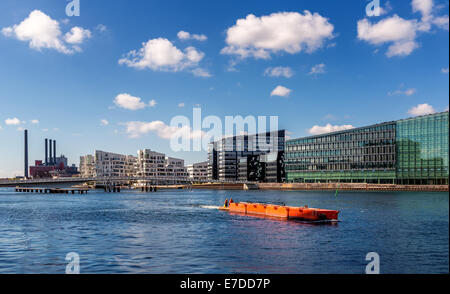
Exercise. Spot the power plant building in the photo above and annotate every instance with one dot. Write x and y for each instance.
(52, 166)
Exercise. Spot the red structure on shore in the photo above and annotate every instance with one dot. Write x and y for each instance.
(52, 166)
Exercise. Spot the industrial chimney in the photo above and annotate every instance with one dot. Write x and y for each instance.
(26, 154)
(46, 152)
(54, 152)
(50, 160)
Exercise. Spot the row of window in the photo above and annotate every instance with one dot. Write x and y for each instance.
(342, 167)
(378, 132)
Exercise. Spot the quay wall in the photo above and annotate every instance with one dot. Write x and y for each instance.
(352, 187)
(225, 186)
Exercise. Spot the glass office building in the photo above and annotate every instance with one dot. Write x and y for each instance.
(227, 156)
(422, 150)
(409, 151)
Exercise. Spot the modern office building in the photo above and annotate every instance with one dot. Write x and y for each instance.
(422, 150)
(267, 168)
(198, 171)
(408, 151)
(213, 173)
(235, 158)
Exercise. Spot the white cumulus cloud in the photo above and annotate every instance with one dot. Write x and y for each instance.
(104, 122)
(41, 31)
(279, 71)
(407, 92)
(289, 32)
(318, 130)
(200, 72)
(318, 69)
(12, 121)
(182, 35)
(35, 121)
(425, 7)
(181, 105)
(101, 28)
(77, 35)
(152, 103)
(442, 22)
(281, 91)
(129, 102)
(161, 55)
(422, 109)
(444, 70)
(136, 129)
(401, 34)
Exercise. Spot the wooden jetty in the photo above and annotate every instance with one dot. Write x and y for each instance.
(148, 189)
(52, 190)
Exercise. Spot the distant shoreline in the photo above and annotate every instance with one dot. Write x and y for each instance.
(355, 187)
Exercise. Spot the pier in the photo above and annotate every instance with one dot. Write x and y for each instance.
(148, 189)
(52, 190)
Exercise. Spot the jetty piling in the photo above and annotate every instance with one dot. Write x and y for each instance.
(52, 190)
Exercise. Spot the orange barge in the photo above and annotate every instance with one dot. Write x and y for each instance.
(283, 212)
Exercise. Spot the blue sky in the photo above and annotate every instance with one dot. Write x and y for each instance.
(340, 68)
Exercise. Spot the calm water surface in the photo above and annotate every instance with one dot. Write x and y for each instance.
(182, 232)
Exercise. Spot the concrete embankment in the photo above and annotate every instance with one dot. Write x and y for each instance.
(224, 186)
(351, 187)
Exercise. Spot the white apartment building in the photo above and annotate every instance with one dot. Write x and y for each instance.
(198, 171)
(130, 165)
(87, 166)
(108, 164)
(148, 163)
(155, 164)
(175, 168)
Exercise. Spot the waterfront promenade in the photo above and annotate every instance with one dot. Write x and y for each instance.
(352, 187)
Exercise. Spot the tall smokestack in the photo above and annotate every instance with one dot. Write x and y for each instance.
(46, 152)
(50, 160)
(54, 152)
(26, 154)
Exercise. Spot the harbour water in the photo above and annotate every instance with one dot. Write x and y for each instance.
(182, 231)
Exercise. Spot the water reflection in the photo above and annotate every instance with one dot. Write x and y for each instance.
(184, 232)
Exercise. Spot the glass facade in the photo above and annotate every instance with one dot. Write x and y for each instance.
(410, 151)
(358, 155)
(422, 150)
